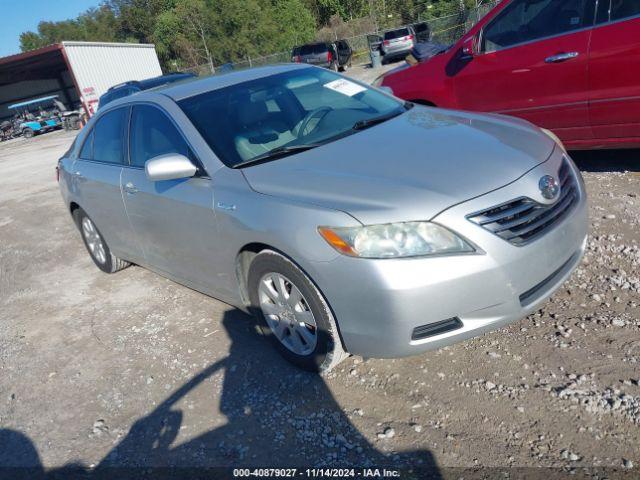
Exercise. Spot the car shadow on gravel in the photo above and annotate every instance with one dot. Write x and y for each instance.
(277, 416)
(607, 160)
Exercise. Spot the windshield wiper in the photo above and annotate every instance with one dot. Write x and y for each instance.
(278, 152)
(370, 122)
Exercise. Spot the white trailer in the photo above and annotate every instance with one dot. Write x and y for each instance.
(96, 67)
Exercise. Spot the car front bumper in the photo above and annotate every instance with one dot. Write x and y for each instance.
(379, 303)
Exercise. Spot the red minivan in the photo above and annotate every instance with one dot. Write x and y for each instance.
(571, 66)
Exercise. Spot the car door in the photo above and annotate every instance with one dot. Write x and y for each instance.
(96, 180)
(614, 70)
(174, 219)
(532, 63)
(344, 52)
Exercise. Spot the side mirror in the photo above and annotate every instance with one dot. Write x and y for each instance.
(171, 166)
(469, 48)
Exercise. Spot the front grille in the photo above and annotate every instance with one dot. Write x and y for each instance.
(524, 220)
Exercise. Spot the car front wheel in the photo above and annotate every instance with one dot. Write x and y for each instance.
(294, 313)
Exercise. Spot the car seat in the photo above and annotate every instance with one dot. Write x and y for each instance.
(258, 134)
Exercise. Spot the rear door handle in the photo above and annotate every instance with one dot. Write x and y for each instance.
(130, 188)
(561, 57)
(78, 174)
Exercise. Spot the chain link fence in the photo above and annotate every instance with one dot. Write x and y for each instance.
(446, 30)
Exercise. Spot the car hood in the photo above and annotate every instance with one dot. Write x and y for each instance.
(409, 168)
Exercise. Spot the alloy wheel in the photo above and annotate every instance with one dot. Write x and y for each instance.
(287, 313)
(94, 240)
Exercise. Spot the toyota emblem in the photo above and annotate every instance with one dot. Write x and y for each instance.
(549, 187)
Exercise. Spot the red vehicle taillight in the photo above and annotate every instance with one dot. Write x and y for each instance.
(386, 42)
(410, 37)
(329, 57)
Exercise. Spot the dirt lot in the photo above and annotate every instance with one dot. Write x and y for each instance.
(132, 369)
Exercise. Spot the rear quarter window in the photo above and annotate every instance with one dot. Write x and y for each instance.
(87, 147)
(403, 32)
(313, 49)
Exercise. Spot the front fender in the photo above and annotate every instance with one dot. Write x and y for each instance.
(244, 217)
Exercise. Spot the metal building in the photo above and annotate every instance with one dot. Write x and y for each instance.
(78, 72)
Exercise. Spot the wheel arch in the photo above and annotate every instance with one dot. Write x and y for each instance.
(73, 207)
(243, 262)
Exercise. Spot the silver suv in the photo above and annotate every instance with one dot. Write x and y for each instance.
(397, 43)
(346, 220)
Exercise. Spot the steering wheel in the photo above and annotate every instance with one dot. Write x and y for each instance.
(317, 112)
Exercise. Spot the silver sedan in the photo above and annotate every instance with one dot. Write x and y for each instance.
(346, 220)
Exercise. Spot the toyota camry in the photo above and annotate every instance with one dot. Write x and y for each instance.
(348, 221)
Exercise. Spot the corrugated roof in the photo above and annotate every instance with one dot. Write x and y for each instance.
(33, 102)
(30, 53)
(107, 44)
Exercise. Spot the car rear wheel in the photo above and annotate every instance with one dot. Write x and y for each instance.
(294, 313)
(96, 245)
(28, 133)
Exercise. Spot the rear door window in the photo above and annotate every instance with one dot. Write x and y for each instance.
(105, 143)
(528, 20)
(108, 137)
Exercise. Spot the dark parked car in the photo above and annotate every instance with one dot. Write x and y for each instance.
(335, 56)
(134, 86)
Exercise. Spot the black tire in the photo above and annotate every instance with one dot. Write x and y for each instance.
(111, 263)
(328, 351)
(28, 133)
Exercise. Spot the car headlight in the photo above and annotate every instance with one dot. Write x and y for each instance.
(395, 240)
(555, 138)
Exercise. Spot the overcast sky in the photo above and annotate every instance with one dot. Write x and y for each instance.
(17, 16)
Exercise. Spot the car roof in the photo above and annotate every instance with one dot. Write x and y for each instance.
(33, 101)
(195, 86)
(148, 83)
(397, 29)
(181, 90)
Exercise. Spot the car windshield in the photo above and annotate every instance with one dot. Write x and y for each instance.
(285, 113)
(403, 32)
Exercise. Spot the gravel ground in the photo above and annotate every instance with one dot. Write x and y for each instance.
(132, 369)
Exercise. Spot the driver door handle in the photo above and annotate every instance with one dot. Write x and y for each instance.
(561, 57)
(130, 188)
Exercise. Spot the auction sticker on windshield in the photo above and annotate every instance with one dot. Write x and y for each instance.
(345, 87)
